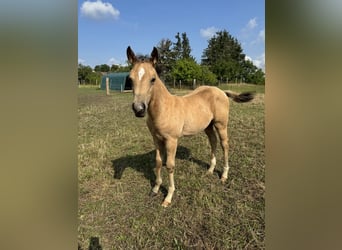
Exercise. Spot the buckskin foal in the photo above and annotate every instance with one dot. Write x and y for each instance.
(170, 117)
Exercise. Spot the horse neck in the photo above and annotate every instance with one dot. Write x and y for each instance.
(160, 96)
(160, 92)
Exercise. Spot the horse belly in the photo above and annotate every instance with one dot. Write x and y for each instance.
(195, 125)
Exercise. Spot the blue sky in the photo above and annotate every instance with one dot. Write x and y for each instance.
(107, 27)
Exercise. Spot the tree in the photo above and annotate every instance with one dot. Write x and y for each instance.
(258, 77)
(87, 76)
(223, 55)
(207, 77)
(124, 68)
(94, 78)
(84, 73)
(114, 68)
(119, 68)
(186, 70)
(102, 68)
(170, 52)
(166, 58)
(97, 68)
(252, 74)
(225, 58)
(181, 48)
(177, 47)
(186, 49)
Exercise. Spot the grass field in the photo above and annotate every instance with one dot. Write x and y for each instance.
(115, 169)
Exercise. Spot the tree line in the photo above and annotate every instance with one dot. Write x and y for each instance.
(222, 61)
(88, 75)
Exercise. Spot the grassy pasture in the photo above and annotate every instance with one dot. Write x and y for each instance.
(115, 166)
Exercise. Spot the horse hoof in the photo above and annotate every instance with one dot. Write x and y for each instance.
(210, 172)
(223, 180)
(153, 194)
(165, 204)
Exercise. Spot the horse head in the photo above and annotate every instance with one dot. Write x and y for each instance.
(143, 76)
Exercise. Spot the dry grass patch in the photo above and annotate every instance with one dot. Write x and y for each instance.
(116, 160)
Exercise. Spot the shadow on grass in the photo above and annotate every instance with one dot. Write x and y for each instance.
(94, 244)
(145, 163)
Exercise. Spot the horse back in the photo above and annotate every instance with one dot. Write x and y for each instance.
(207, 97)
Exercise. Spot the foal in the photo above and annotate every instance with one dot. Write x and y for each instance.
(170, 117)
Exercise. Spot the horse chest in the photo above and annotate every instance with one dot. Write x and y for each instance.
(164, 128)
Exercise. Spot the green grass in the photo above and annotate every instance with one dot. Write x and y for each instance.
(116, 161)
(243, 87)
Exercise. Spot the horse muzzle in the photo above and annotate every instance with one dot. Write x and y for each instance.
(139, 109)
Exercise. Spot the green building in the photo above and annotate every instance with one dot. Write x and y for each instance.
(117, 81)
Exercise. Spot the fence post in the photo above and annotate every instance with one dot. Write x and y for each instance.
(107, 85)
(194, 84)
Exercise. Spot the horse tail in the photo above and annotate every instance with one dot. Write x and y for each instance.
(243, 97)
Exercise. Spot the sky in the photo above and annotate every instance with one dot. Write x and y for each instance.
(107, 27)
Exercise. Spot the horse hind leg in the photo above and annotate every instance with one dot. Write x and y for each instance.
(223, 135)
(213, 144)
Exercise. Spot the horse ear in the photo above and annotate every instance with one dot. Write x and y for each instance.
(130, 55)
(154, 56)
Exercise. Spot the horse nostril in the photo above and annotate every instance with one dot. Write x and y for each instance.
(138, 106)
(139, 109)
(142, 106)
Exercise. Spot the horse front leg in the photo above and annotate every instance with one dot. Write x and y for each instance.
(159, 163)
(171, 148)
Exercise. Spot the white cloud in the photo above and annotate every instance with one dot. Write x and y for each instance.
(115, 61)
(99, 10)
(252, 23)
(81, 61)
(208, 32)
(248, 58)
(248, 29)
(261, 35)
(260, 38)
(259, 61)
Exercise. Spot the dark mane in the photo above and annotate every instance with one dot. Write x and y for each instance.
(146, 58)
(143, 58)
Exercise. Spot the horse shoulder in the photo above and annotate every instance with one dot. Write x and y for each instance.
(169, 120)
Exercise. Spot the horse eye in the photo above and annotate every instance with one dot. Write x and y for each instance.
(153, 80)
